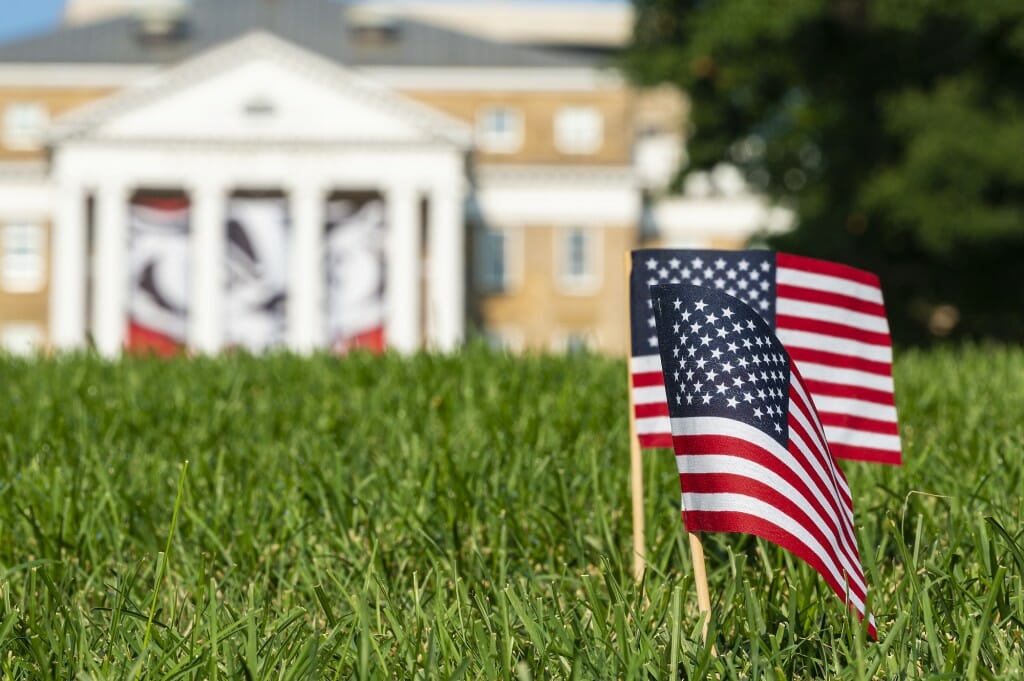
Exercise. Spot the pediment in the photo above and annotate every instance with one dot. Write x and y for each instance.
(262, 89)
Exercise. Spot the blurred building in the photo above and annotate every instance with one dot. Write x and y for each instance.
(307, 174)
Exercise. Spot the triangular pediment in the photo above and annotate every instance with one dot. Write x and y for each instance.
(260, 88)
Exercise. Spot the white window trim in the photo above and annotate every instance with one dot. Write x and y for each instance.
(513, 261)
(590, 282)
(501, 146)
(16, 142)
(565, 146)
(22, 285)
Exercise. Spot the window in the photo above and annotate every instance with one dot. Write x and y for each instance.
(578, 257)
(579, 130)
(499, 129)
(25, 125)
(23, 264)
(492, 260)
(21, 338)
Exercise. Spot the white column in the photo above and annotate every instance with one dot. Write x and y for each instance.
(207, 245)
(109, 316)
(402, 328)
(306, 277)
(447, 267)
(68, 269)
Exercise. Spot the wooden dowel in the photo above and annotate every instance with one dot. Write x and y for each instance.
(636, 468)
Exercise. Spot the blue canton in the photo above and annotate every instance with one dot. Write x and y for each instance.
(720, 358)
(746, 275)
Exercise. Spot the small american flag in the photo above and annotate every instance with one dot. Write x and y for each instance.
(749, 445)
(830, 317)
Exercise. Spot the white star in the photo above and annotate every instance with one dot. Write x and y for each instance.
(757, 412)
(685, 273)
(743, 265)
(743, 362)
(731, 274)
(705, 339)
(721, 331)
(700, 305)
(720, 389)
(695, 327)
(685, 316)
(763, 305)
(674, 263)
(674, 280)
(754, 275)
(663, 273)
(697, 385)
(731, 291)
(753, 294)
(708, 273)
(675, 328)
(727, 367)
(720, 264)
(697, 263)
(711, 374)
(716, 353)
(727, 313)
(652, 264)
(697, 281)
(732, 402)
(701, 362)
(650, 322)
(737, 382)
(711, 318)
(751, 325)
(742, 283)
(706, 399)
(676, 303)
(689, 399)
(652, 281)
(653, 341)
(764, 285)
(778, 428)
(689, 374)
(732, 347)
(691, 351)
(765, 266)
(748, 398)
(719, 283)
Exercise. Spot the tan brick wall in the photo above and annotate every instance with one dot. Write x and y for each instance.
(56, 100)
(538, 111)
(542, 313)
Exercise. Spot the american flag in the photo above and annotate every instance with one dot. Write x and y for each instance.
(749, 445)
(830, 317)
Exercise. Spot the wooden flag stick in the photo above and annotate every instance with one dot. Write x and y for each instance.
(636, 468)
(700, 579)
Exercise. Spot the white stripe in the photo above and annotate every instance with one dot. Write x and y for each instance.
(862, 438)
(818, 433)
(645, 364)
(740, 503)
(826, 454)
(823, 372)
(723, 464)
(653, 394)
(831, 313)
(844, 505)
(825, 282)
(839, 346)
(851, 407)
(716, 425)
(653, 425)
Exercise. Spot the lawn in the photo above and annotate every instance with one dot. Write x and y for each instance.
(468, 517)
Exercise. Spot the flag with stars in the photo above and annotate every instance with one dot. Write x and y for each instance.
(750, 449)
(830, 317)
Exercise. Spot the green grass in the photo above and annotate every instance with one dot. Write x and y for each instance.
(467, 517)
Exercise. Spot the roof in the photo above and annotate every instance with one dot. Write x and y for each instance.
(322, 26)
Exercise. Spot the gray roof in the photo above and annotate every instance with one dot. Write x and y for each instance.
(317, 25)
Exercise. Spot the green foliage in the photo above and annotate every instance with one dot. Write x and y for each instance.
(467, 517)
(893, 127)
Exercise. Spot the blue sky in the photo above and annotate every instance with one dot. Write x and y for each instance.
(24, 17)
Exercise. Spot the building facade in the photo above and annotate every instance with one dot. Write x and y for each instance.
(308, 175)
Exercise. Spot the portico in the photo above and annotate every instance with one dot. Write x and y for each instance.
(260, 115)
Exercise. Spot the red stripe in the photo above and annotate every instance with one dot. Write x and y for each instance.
(857, 392)
(839, 361)
(838, 420)
(832, 269)
(832, 329)
(697, 521)
(645, 380)
(656, 441)
(651, 409)
(810, 295)
(723, 483)
(855, 453)
(696, 445)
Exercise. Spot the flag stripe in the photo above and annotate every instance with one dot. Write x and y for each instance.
(646, 380)
(651, 409)
(820, 312)
(823, 373)
(647, 395)
(740, 513)
(639, 364)
(853, 391)
(842, 405)
(660, 440)
(652, 426)
(797, 339)
(804, 356)
(833, 298)
(859, 437)
(856, 423)
(831, 330)
(836, 275)
(860, 453)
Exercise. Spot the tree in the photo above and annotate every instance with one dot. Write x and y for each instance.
(895, 128)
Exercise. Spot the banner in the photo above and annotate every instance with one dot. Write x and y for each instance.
(354, 264)
(255, 300)
(158, 262)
